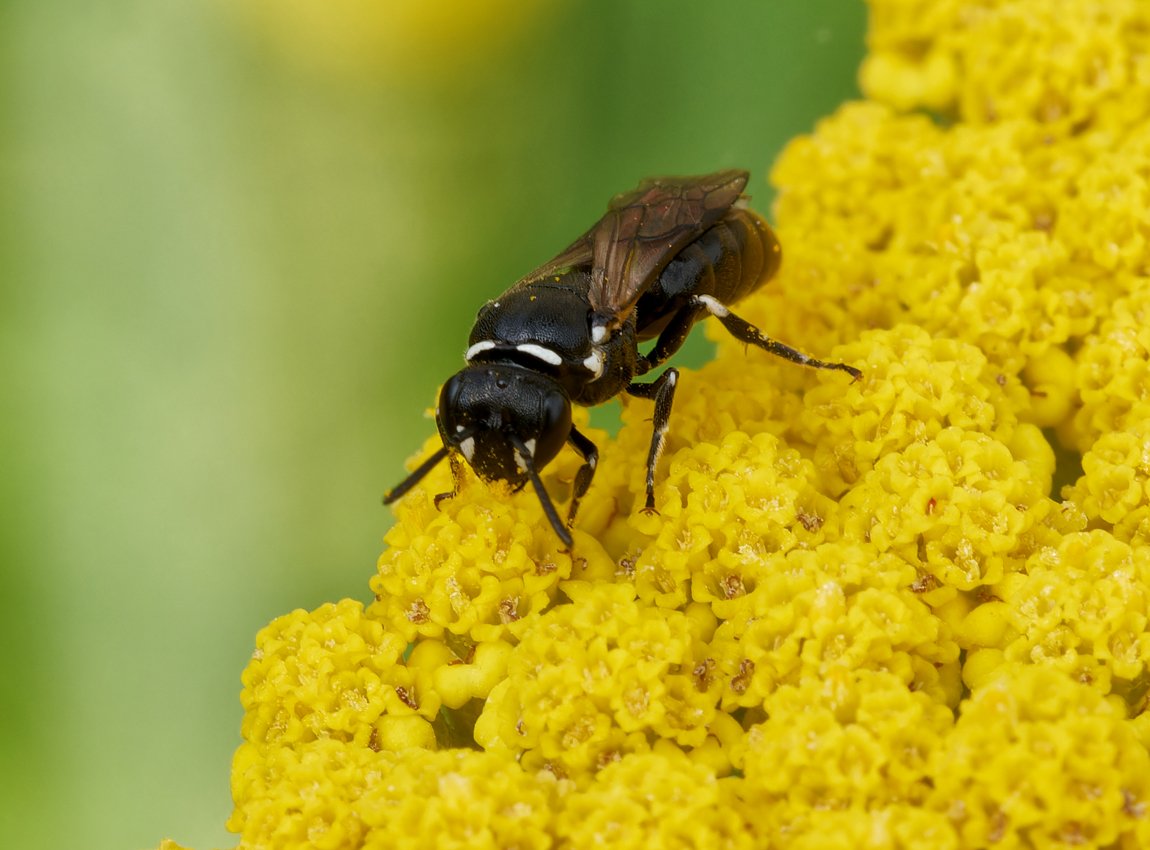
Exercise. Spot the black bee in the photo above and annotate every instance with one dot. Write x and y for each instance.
(667, 254)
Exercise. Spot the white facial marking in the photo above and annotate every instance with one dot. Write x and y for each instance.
(520, 462)
(458, 429)
(594, 362)
(468, 448)
(714, 306)
(544, 354)
(478, 348)
(530, 445)
(598, 333)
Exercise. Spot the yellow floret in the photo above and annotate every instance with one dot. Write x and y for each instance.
(456, 684)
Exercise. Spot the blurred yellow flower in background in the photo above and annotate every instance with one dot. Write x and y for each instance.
(868, 615)
(413, 39)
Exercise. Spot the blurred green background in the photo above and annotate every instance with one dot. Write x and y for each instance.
(241, 244)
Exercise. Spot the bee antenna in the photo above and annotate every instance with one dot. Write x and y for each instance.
(415, 477)
(541, 491)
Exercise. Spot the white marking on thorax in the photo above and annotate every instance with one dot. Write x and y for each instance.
(478, 348)
(544, 354)
(713, 305)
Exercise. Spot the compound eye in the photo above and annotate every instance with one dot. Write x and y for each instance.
(556, 412)
(555, 426)
(453, 415)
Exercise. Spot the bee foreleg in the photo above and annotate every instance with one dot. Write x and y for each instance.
(541, 493)
(456, 477)
(586, 472)
(401, 489)
(663, 391)
(743, 330)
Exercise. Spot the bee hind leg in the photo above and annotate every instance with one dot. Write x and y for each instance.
(743, 330)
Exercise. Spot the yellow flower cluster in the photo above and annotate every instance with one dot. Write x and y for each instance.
(332, 673)
(909, 612)
(598, 678)
(1062, 64)
(328, 795)
(1037, 760)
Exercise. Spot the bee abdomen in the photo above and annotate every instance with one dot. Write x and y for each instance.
(728, 262)
(746, 255)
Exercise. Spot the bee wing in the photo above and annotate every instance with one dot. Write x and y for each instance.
(646, 227)
(578, 253)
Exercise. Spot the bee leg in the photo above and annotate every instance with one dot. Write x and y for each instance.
(540, 491)
(401, 489)
(672, 338)
(743, 330)
(456, 477)
(662, 390)
(586, 472)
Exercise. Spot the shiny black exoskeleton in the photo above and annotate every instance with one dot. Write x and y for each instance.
(665, 255)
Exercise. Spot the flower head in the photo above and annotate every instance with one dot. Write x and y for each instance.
(912, 611)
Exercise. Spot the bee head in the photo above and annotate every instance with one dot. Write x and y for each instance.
(508, 422)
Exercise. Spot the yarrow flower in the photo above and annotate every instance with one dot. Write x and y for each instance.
(909, 612)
